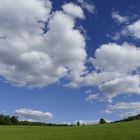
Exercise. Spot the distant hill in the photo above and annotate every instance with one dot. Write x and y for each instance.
(131, 118)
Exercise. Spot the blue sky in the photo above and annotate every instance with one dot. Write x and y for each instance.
(85, 66)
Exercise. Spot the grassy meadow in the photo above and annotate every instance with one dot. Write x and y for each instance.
(117, 131)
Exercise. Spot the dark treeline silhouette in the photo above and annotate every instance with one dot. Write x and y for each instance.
(131, 118)
(78, 123)
(102, 121)
(13, 120)
(7, 120)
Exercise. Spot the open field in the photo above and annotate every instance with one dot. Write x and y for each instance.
(117, 131)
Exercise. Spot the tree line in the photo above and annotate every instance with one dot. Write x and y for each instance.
(13, 120)
(131, 118)
(8, 120)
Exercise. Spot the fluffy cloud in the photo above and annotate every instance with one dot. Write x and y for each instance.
(90, 98)
(23, 15)
(73, 10)
(133, 29)
(31, 57)
(117, 17)
(120, 58)
(124, 109)
(116, 72)
(95, 78)
(39, 47)
(128, 84)
(118, 67)
(33, 115)
(87, 6)
(113, 61)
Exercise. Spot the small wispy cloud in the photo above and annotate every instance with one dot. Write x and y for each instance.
(87, 6)
(118, 18)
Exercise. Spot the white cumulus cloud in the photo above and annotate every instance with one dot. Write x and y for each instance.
(124, 109)
(39, 47)
(33, 115)
(73, 9)
(118, 67)
(34, 58)
(120, 58)
(133, 29)
(128, 84)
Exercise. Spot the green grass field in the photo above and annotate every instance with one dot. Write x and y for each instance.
(117, 131)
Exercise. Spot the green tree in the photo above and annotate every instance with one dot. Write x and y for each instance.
(78, 123)
(14, 120)
(5, 120)
(102, 121)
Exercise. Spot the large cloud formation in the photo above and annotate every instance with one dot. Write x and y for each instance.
(118, 67)
(116, 58)
(31, 57)
(39, 47)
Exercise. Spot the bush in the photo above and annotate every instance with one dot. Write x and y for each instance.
(102, 121)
